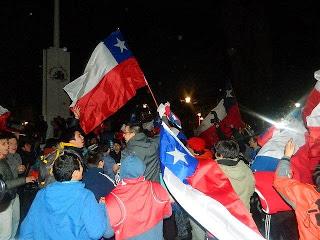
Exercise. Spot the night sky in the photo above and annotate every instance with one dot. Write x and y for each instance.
(269, 50)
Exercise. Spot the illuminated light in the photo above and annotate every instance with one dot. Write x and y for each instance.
(144, 105)
(297, 105)
(201, 118)
(199, 114)
(188, 99)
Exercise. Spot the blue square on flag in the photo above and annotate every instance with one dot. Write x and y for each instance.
(175, 156)
(117, 46)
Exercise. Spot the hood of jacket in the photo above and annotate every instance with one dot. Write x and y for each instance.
(132, 167)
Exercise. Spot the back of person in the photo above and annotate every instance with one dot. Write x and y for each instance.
(239, 174)
(144, 203)
(65, 209)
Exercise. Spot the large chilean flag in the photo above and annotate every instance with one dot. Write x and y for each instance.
(110, 79)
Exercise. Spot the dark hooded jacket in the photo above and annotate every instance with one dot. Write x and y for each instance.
(147, 149)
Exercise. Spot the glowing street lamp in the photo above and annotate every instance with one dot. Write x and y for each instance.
(187, 99)
(297, 105)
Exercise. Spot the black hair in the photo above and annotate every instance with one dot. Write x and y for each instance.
(64, 166)
(69, 134)
(4, 135)
(94, 158)
(11, 135)
(51, 142)
(227, 149)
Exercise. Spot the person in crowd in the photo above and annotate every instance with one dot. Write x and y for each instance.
(110, 167)
(71, 142)
(137, 207)
(115, 152)
(65, 209)
(14, 160)
(239, 174)
(27, 155)
(253, 144)
(196, 146)
(303, 198)
(95, 179)
(145, 148)
(10, 213)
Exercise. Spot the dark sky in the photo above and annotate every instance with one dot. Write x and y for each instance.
(267, 49)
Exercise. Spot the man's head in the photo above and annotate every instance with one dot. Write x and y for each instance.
(253, 142)
(67, 167)
(132, 167)
(130, 130)
(13, 143)
(74, 137)
(95, 159)
(226, 149)
(4, 145)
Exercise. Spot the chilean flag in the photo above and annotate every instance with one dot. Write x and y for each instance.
(4, 115)
(219, 210)
(305, 132)
(110, 79)
(226, 114)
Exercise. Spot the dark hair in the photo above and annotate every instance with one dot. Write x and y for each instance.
(69, 134)
(64, 166)
(316, 176)
(11, 135)
(94, 158)
(51, 142)
(4, 135)
(135, 127)
(227, 149)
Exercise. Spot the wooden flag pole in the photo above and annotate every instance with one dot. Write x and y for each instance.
(154, 99)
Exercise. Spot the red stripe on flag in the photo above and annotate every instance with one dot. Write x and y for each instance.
(116, 88)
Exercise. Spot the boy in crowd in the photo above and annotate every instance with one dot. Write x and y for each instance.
(65, 209)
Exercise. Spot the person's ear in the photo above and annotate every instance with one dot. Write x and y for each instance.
(76, 175)
(100, 164)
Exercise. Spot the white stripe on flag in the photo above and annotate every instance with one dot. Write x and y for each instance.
(206, 123)
(3, 110)
(100, 63)
(211, 214)
(313, 120)
(275, 146)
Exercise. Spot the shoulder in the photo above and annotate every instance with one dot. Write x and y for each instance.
(159, 192)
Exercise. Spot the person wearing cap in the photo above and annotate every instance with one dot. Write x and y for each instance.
(136, 207)
(302, 197)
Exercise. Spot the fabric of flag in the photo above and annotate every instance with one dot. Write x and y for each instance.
(226, 114)
(110, 79)
(178, 165)
(305, 132)
(4, 116)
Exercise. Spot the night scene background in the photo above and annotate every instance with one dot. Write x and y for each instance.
(269, 50)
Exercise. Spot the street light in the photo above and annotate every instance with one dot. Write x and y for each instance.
(199, 118)
(187, 99)
(297, 105)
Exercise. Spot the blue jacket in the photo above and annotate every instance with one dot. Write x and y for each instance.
(64, 210)
(97, 182)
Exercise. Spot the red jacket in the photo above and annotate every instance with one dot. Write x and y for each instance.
(305, 199)
(135, 206)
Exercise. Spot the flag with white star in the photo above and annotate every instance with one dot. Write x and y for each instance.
(109, 81)
(175, 156)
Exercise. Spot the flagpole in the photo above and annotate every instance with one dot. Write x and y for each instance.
(154, 99)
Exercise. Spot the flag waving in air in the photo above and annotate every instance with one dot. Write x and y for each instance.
(225, 116)
(110, 79)
(178, 165)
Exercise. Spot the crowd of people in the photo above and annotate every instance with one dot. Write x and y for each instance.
(108, 184)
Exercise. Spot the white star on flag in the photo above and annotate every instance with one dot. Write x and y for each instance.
(178, 156)
(120, 44)
(229, 93)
